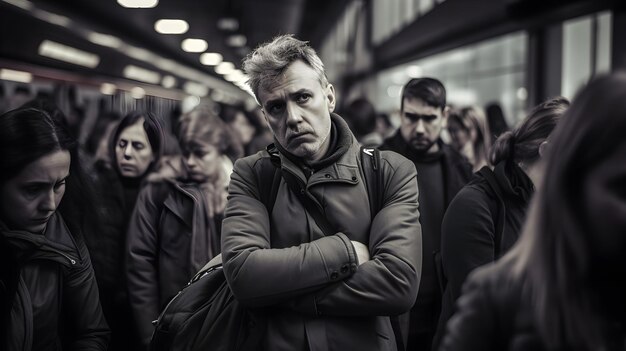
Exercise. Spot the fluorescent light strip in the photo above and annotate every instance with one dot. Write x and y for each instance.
(69, 54)
(141, 74)
(104, 40)
(168, 82)
(137, 93)
(16, 76)
(23, 4)
(144, 4)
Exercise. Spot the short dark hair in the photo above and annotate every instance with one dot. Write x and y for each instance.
(429, 90)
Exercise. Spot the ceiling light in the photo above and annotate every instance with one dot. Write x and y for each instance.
(138, 53)
(23, 4)
(104, 40)
(165, 64)
(168, 82)
(224, 68)
(194, 45)
(141, 74)
(68, 54)
(171, 26)
(145, 4)
(52, 18)
(137, 93)
(237, 40)
(196, 89)
(228, 24)
(108, 88)
(16, 76)
(210, 59)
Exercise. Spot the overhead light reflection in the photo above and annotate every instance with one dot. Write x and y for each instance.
(23, 4)
(104, 40)
(141, 74)
(69, 54)
(15, 76)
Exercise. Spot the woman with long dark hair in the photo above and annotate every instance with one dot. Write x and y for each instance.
(485, 218)
(563, 285)
(134, 149)
(49, 296)
(175, 227)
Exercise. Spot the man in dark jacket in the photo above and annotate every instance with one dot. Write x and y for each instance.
(442, 172)
(325, 292)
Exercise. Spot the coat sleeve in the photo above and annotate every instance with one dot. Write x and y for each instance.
(388, 283)
(260, 275)
(474, 326)
(467, 237)
(81, 302)
(141, 262)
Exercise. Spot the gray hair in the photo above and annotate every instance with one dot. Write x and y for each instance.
(268, 61)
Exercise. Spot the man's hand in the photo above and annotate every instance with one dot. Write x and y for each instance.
(362, 252)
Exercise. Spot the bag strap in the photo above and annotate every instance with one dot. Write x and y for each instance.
(487, 173)
(370, 161)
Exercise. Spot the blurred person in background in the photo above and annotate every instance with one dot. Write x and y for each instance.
(21, 94)
(175, 227)
(470, 135)
(49, 297)
(562, 286)
(242, 125)
(485, 218)
(495, 119)
(134, 149)
(362, 119)
(441, 173)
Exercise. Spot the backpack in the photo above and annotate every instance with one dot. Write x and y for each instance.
(205, 315)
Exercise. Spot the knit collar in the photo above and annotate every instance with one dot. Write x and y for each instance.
(340, 141)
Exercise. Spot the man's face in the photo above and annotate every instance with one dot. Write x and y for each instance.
(297, 109)
(421, 124)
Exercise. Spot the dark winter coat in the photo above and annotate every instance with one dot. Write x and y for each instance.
(170, 237)
(484, 214)
(51, 283)
(319, 297)
(456, 172)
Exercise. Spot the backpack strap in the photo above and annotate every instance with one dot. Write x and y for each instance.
(371, 164)
(268, 193)
(499, 213)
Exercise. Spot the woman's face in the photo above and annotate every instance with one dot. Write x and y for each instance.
(458, 134)
(133, 151)
(202, 161)
(28, 200)
(604, 205)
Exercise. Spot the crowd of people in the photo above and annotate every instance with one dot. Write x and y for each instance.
(485, 238)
